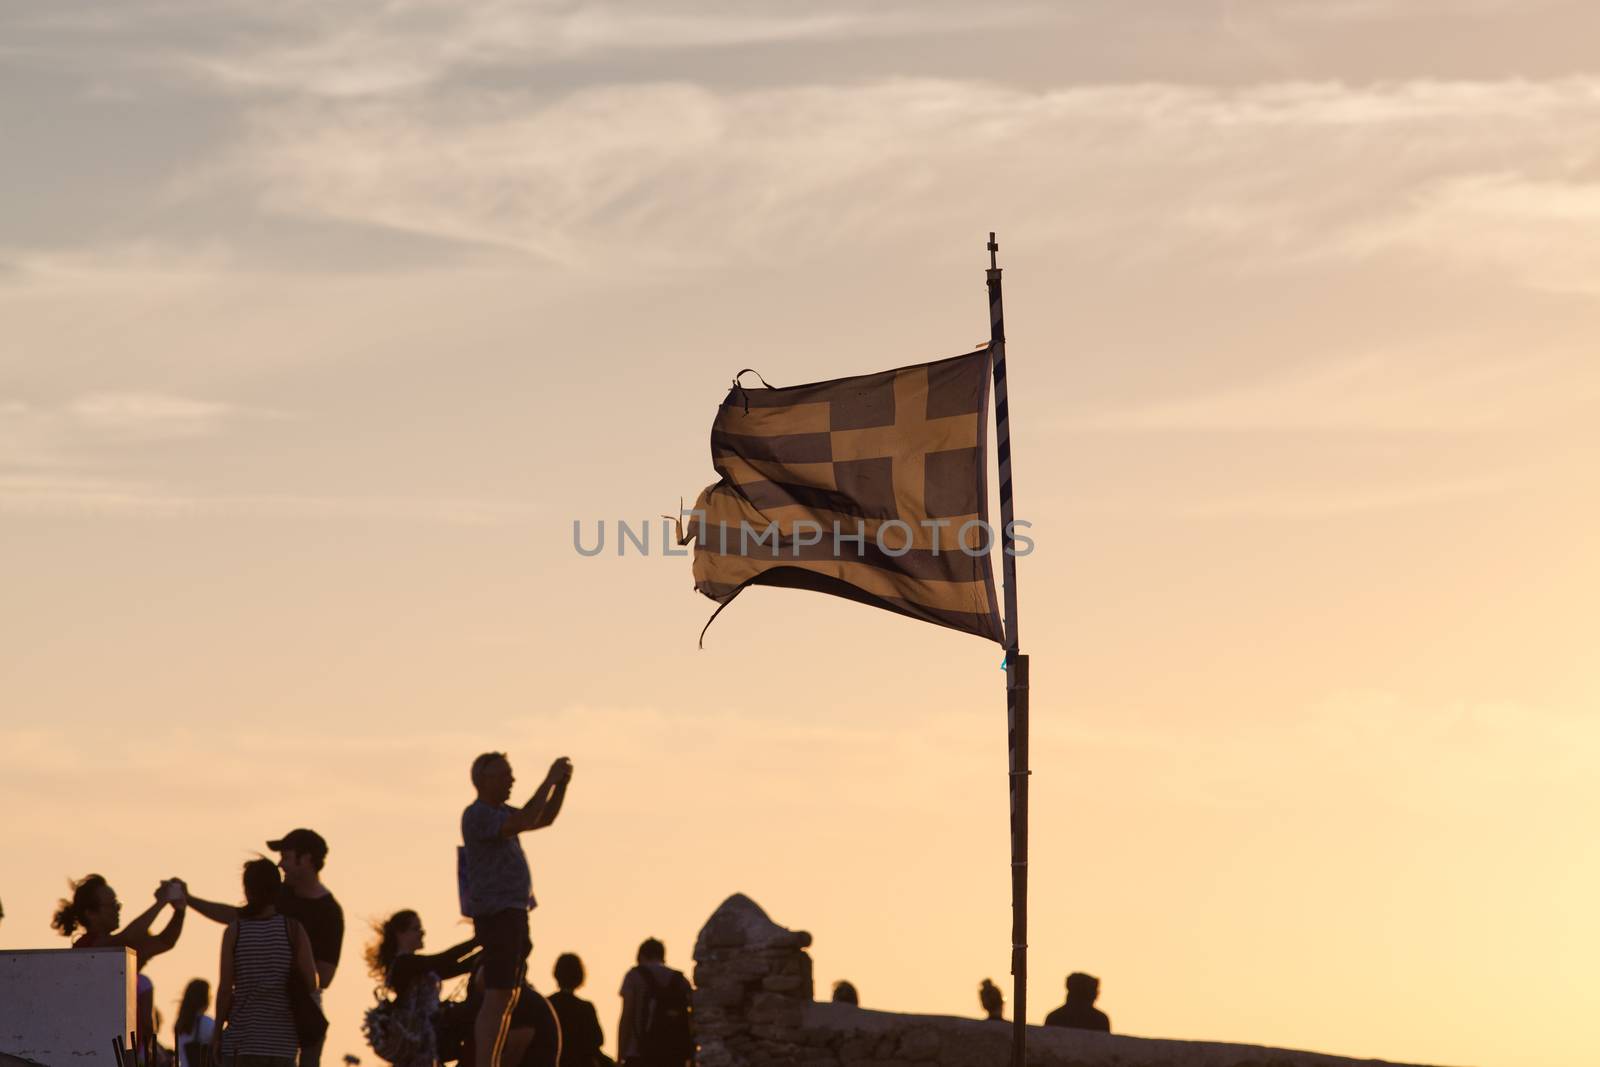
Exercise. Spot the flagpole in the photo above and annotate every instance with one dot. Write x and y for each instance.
(1016, 676)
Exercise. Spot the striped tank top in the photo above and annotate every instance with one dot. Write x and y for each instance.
(260, 1023)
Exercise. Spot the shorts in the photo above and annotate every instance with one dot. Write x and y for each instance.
(506, 945)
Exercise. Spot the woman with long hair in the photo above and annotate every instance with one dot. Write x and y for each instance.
(193, 1029)
(260, 951)
(94, 909)
(395, 960)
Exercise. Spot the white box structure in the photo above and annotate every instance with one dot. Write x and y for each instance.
(66, 1006)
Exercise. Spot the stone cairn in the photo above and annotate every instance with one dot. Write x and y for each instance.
(753, 1008)
(752, 986)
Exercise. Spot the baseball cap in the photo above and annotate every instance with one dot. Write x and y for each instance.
(305, 842)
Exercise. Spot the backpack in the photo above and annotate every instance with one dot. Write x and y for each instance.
(395, 1031)
(664, 1034)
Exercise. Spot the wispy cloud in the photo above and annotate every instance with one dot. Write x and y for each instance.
(1454, 390)
(674, 174)
(1325, 12)
(366, 48)
(1541, 230)
(71, 459)
(76, 494)
(149, 264)
(150, 415)
(1304, 503)
(100, 418)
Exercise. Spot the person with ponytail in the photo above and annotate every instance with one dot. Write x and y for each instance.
(94, 909)
(395, 960)
(194, 1029)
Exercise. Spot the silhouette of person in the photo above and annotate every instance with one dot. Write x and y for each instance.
(395, 959)
(994, 1005)
(1079, 1012)
(497, 893)
(581, 1035)
(260, 951)
(533, 1028)
(845, 993)
(194, 1029)
(655, 1029)
(95, 909)
(307, 901)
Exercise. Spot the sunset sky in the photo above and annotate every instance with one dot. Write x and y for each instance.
(322, 322)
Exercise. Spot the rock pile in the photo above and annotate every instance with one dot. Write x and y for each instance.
(753, 1008)
(752, 987)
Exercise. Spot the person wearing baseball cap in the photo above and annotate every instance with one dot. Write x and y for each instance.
(304, 899)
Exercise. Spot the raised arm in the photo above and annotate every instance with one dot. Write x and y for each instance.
(137, 929)
(217, 913)
(552, 806)
(540, 810)
(155, 944)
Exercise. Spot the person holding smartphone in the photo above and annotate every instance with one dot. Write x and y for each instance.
(497, 893)
(95, 909)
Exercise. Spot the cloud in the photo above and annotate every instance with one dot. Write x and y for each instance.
(1337, 12)
(146, 264)
(1317, 504)
(1453, 390)
(668, 175)
(1301, 503)
(374, 49)
(1540, 230)
(99, 419)
(150, 415)
(74, 493)
(72, 459)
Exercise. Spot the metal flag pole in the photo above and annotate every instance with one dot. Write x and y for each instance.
(1016, 676)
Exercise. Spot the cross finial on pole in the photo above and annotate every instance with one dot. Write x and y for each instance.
(994, 246)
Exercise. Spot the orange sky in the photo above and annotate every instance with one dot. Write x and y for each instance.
(322, 326)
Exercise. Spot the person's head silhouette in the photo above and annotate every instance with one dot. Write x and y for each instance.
(845, 993)
(261, 884)
(569, 972)
(303, 852)
(1082, 988)
(196, 999)
(492, 777)
(652, 951)
(989, 997)
(94, 908)
(398, 935)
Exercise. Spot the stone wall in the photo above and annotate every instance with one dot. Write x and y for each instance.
(754, 1008)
